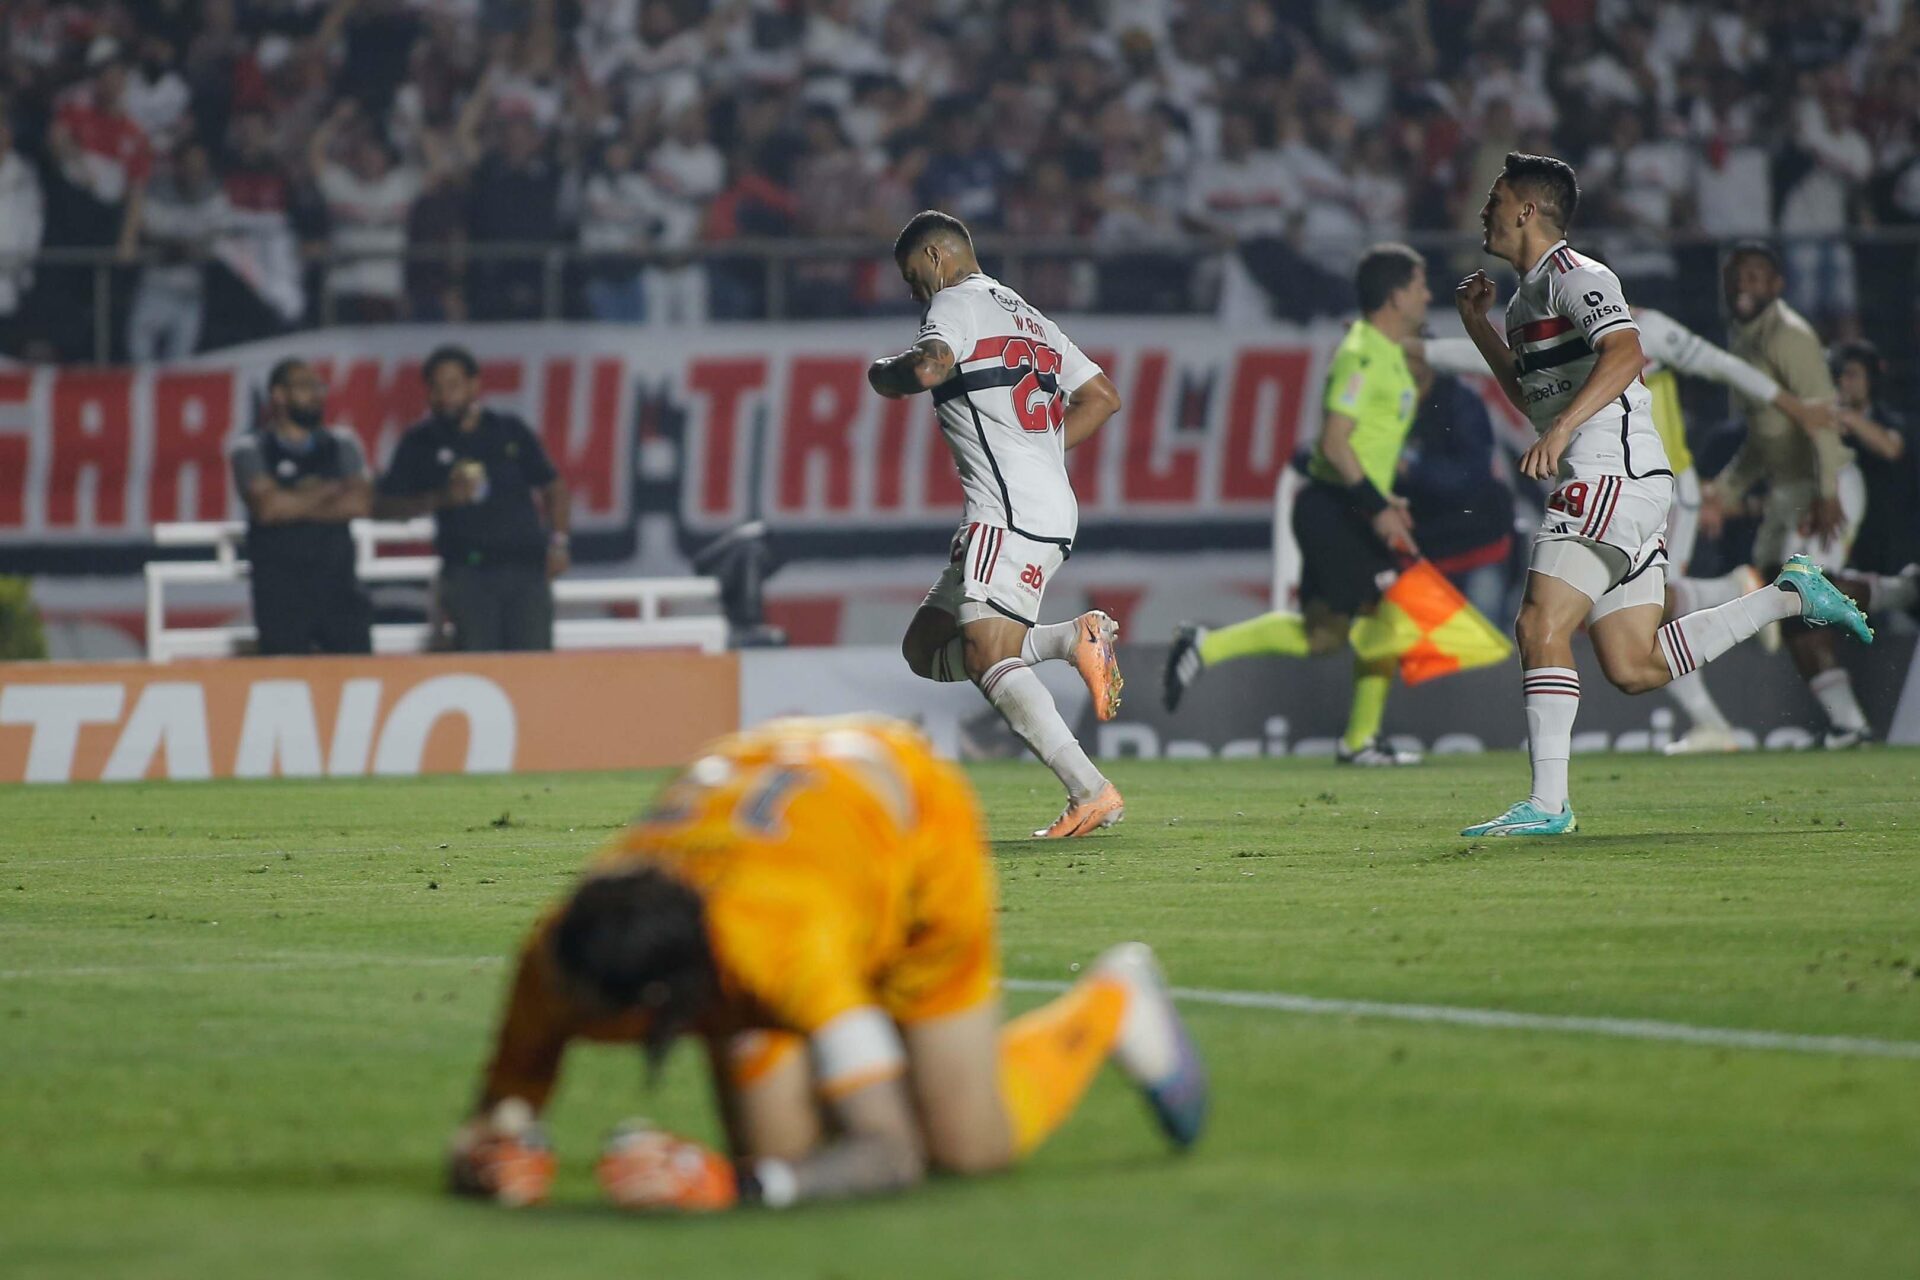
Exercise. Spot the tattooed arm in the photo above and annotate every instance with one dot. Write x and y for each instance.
(921, 367)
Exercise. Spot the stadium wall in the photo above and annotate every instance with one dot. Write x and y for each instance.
(530, 713)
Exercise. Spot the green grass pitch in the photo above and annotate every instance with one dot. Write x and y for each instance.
(237, 1022)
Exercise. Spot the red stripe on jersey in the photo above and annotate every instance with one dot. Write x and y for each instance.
(990, 348)
(1540, 330)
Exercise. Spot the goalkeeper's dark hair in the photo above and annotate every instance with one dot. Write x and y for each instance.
(1383, 269)
(637, 941)
(927, 225)
(1548, 182)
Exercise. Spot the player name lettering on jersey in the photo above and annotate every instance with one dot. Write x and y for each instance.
(1003, 409)
(1565, 306)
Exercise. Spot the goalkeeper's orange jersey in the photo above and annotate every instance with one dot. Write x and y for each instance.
(842, 867)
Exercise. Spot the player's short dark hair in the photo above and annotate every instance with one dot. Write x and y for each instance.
(924, 226)
(1548, 182)
(1754, 249)
(282, 371)
(638, 941)
(450, 353)
(1867, 356)
(1383, 269)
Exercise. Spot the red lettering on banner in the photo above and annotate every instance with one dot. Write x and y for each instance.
(1259, 444)
(724, 383)
(91, 436)
(824, 396)
(192, 414)
(897, 422)
(1083, 464)
(15, 389)
(1145, 479)
(500, 378)
(588, 468)
(378, 402)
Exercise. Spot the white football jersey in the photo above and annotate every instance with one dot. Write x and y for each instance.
(1563, 307)
(1002, 409)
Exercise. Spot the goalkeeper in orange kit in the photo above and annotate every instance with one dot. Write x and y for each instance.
(814, 901)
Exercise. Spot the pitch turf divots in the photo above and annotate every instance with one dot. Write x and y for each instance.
(239, 1021)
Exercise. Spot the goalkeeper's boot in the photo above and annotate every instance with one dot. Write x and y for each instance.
(1821, 603)
(1527, 819)
(1084, 817)
(1184, 664)
(1095, 634)
(1154, 1049)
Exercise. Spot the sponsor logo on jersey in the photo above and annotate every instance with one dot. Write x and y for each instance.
(1548, 390)
(1007, 301)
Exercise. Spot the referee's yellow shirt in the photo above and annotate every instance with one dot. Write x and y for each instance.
(1369, 382)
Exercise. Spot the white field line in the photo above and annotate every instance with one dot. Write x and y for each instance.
(1504, 1020)
(1274, 1001)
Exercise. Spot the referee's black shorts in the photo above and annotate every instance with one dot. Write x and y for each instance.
(1341, 558)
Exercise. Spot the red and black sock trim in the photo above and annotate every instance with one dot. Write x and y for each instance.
(1679, 652)
(1552, 683)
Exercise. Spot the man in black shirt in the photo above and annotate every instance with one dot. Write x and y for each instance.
(1882, 439)
(302, 482)
(477, 471)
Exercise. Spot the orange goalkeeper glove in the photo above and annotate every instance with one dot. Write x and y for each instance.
(644, 1167)
(504, 1157)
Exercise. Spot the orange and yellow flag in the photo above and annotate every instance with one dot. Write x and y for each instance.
(1425, 623)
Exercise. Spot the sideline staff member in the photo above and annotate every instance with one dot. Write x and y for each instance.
(302, 481)
(476, 470)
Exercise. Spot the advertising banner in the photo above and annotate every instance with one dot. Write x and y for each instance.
(1283, 707)
(356, 717)
(711, 426)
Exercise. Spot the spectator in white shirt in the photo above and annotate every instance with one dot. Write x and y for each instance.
(688, 171)
(1733, 179)
(619, 218)
(1814, 213)
(1642, 183)
(157, 96)
(186, 210)
(368, 198)
(23, 209)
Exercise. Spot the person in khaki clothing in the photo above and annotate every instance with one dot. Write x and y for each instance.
(1815, 498)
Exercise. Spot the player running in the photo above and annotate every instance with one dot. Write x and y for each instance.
(1672, 349)
(1352, 531)
(814, 900)
(1013, 394)
(1571, 360)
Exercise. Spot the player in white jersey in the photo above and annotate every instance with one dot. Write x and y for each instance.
(1013, 394)
(1673, 350)
(1571, 360)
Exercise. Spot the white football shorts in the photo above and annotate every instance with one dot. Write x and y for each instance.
(995, 572)
(1605, 536)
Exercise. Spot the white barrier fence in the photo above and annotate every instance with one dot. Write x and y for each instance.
(653, 627)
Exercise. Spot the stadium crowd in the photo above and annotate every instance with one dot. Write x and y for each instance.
(263, 164)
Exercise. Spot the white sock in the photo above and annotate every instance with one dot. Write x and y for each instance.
(1054, 640)
(1690, 693)
(1690, 642)
(1834, 688)
(1017, 694)
(1690, 595)
(1553, 700)
(950, 663)
(1891, 591)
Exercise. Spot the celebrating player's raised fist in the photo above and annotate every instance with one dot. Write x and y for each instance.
(1474, 294)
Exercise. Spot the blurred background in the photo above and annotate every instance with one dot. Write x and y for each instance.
(664, 227)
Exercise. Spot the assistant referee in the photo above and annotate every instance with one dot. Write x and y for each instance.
(1350, 527)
